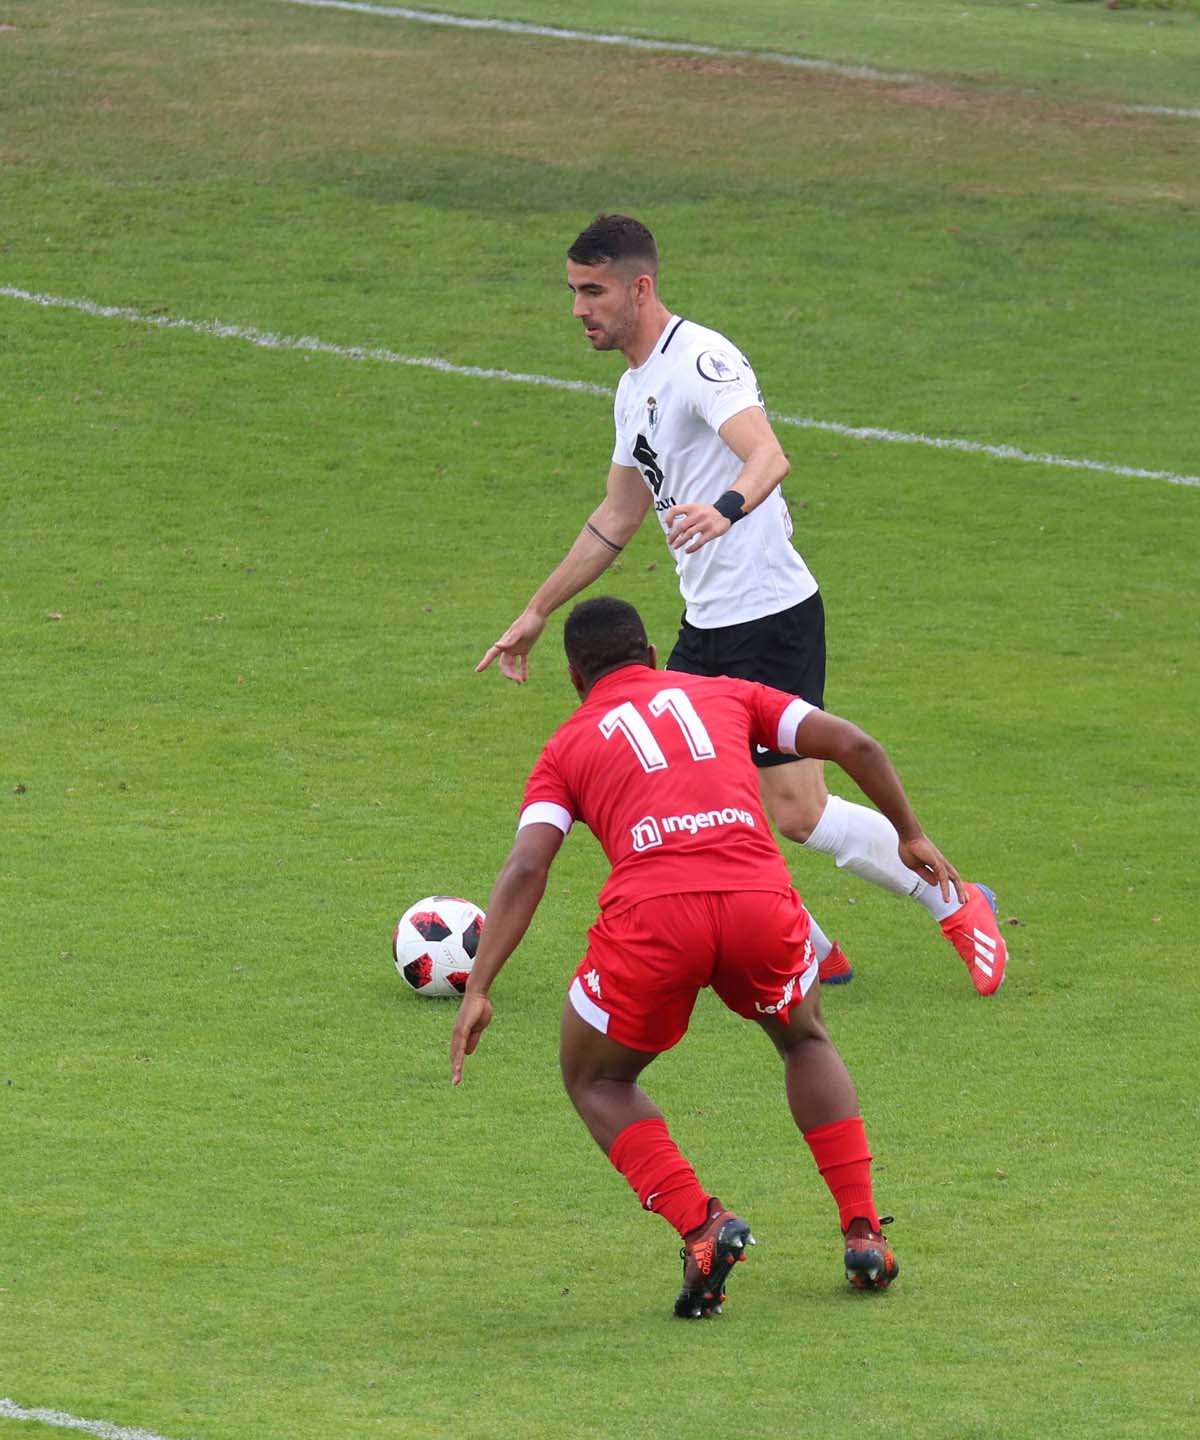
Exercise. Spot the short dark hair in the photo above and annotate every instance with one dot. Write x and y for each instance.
(602, 633)
(615, 238)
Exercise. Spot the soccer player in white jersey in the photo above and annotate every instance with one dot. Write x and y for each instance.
(693, 441)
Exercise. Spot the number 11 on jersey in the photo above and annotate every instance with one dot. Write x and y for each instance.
(629, 721)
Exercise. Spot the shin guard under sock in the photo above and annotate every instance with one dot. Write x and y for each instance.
(661, 1178)
(844, 1160)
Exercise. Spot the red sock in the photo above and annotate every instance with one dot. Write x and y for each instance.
(662, 1179)
(844, 1160)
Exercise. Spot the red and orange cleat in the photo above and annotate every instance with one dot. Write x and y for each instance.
(708, 1257)
(870, 1264)
(973, 932)
(835, 969)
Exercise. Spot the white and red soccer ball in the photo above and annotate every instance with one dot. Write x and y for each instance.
(435, 942)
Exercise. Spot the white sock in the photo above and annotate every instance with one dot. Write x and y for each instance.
(931, 897)
(863, 842)
(821, 942)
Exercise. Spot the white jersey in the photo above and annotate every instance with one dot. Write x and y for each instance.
(668, 412)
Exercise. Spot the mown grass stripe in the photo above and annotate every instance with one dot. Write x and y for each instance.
(269, 340)
(679, 47)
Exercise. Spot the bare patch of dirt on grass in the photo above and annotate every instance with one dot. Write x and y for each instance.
(1025, 109)
(1018, 108)
(747, 69)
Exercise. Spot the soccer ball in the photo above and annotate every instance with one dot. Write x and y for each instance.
(435, 942)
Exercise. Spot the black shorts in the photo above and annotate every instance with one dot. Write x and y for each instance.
(786, 651)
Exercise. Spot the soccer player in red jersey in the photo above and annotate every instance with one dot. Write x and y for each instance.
(658, 765)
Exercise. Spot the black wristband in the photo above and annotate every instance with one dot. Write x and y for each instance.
(731, 505)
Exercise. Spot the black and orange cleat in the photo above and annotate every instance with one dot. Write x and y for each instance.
(870, 1264)
(708, 1256)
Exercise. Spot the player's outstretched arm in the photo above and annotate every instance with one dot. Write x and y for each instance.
(604, 535)
(822, 736)
(515, 896)
(764, 466)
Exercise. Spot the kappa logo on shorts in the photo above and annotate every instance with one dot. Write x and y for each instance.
(592, 980)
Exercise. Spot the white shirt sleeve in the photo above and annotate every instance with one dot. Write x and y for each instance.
(723, 385)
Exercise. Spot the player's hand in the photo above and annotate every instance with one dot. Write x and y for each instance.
(474, 1016)
(694, 526)
(513, 647)
(923, 856)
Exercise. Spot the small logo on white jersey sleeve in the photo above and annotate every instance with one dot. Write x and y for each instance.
(719, 366)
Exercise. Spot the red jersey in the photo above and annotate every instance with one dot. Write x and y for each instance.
(657, 764)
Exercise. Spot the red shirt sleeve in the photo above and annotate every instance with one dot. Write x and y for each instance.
(767, 708)
(548, 797)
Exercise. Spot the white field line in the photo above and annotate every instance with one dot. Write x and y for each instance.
(267, 340)
(677, 47)
(1179, 111)
(10, 1410)
(593, 37)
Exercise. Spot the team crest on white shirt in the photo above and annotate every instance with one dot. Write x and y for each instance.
(652, 412)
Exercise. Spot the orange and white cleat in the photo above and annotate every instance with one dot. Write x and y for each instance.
(973, 932)
(835, 969)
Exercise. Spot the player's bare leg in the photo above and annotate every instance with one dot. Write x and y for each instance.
(824, 1105)
(819, 1088)
(601, 1078)
(795, 796)
(864, 842)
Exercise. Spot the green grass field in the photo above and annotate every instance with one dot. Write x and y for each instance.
(242, 592)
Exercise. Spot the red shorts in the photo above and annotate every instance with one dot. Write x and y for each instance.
(645, 966)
